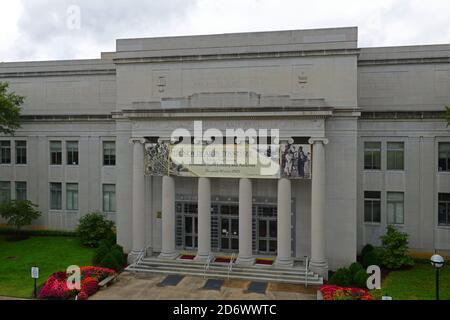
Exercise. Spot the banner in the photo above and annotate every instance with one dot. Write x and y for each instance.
(254, 161)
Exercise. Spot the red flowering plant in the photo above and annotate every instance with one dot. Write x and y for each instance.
(333, 292)
(56, 285)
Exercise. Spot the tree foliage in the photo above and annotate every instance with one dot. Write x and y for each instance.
(395, 249)
(19, 213)
(93, 228)
(9, 110)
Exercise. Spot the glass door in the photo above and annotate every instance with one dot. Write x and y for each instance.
(229, 234)
(267, 230)
(190, 232)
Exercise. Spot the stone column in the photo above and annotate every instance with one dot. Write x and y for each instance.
(138, 198)
(204, 218)
(168, 218)
(318, 262)
(284, 257)
(245, 222)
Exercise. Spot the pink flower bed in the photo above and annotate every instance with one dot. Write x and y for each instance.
(56, 285)
(332, 292)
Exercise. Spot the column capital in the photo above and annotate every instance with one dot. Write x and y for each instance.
(285, 140)
(140, 140)
(314, 140)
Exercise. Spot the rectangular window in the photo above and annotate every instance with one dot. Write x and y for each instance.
(21, 152)
(109, 153)
(72, 196)
(444, 156)
(444, 209)
(55, 152)
(21, 190)
(395, 155)
(5, 192)
(395, 207)
(5, 152)
(372, 206)
(72, 152)
(55, 196)
(372, 155)
(109, 198)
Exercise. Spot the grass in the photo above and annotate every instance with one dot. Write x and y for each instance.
(417, 283)
(50, 254)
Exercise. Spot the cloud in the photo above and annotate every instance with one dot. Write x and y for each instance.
(37, 29)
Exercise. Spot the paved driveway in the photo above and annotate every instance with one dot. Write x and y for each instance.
(147, 287)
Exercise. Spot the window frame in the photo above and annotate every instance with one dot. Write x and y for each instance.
(58, 153)
(51, 193)
(6, 189)
(72, 155)
(5, 152)
(19, 152)
(372, 151)
(446, 203)
(447, 158)
(111, 157)
(372, 201)
(72, 197)
(395, 202)
(395, 151)
(25, 189)
(112, 202)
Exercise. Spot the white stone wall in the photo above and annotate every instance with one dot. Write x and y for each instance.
(90, 174)
(420, 181)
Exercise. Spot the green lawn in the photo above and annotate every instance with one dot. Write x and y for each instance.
(417, 283)
(50, 254)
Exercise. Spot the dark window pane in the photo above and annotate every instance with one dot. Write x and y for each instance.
(262, 245)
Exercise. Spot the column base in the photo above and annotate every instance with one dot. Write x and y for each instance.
(133, 255)
(168, 255)
(245, 261)
(319, 267)
(284, 262)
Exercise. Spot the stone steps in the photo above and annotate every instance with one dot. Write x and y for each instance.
(220, 270)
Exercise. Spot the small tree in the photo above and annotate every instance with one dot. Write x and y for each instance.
(395, 249)
(19, 213)
(9, 110)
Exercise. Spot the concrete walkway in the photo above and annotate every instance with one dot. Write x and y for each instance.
(145, 287)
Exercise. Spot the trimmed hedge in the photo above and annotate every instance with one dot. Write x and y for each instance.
(39, 233)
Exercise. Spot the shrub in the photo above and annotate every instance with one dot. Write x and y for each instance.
(355, 267)
(119, 256)
(366, 249)
(360, 279)
(100, 253)
(110, 262)
(342, 277)
(93, 228)
(372, 258)
(395, 249)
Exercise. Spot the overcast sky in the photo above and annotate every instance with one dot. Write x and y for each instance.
(68, 29)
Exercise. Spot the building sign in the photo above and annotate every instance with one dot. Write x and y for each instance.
(229, 160)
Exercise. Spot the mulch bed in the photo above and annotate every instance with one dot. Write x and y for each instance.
(187, 257)
(267, 262)
(224, 259)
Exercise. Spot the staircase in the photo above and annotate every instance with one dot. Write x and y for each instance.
(295, 274)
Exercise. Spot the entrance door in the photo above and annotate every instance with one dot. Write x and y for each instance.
(229, 227)
(190, 232)
(267, 230)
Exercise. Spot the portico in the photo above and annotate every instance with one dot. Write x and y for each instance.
(284, 255)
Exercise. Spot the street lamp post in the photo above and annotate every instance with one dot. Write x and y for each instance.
(437, 262)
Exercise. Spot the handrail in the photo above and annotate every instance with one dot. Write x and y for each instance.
(139, 257)
(207, 264)
(230, 265)
(306, 271)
